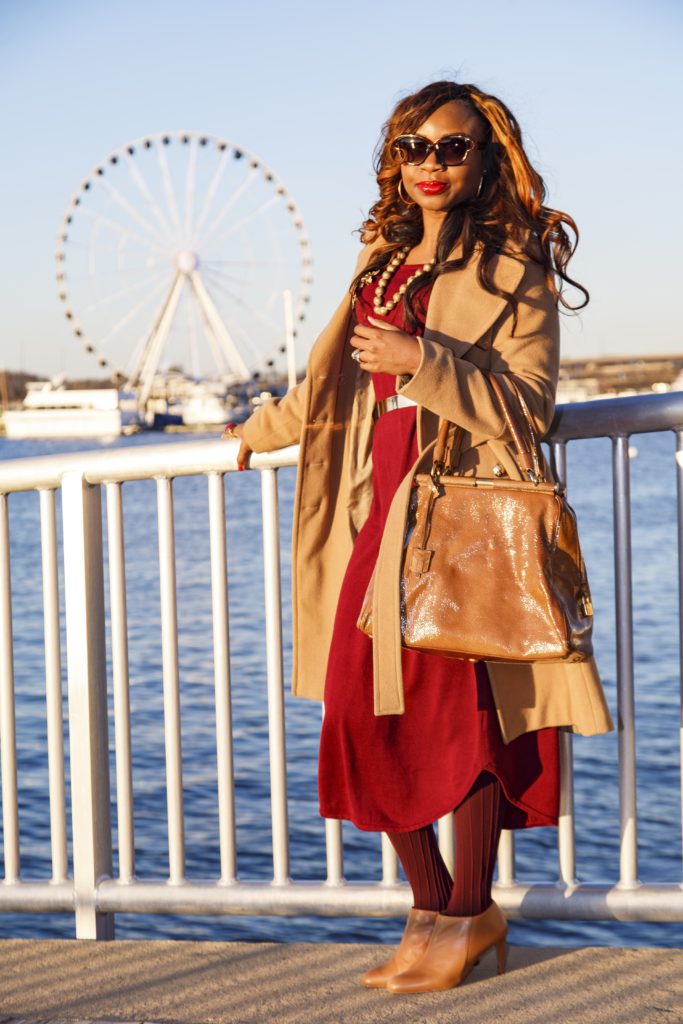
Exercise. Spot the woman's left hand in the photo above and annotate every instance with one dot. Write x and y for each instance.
(385, 349)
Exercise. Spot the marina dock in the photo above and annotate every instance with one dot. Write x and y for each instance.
(310, 983)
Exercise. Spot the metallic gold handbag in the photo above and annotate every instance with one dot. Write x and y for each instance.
(492, 568)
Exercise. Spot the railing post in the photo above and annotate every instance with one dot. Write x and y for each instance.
(87, 688)
(625, 696)
(53, 685)
(275, 674)
(446, 833)
(679, 520)
(566, 832)
(389, 862)
(222, 683)
(171, 682)
(8, 730)
(334, 845)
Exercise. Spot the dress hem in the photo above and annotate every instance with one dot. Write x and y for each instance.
(536, 819)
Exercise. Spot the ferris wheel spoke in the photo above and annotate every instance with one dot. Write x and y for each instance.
(235, 266)
(258, 212)
(121, 230)
(147, 195)
(95, 246)
(123, 292)
(227, 207)
(254, 311)
(218, 271)
(83, 247)
(189, 185)
(146, 263)
(211, 192)
(130, 315)
(194, 341)
(122, 251)
(245, 263)
(214, 344)
(168, 190)
(128, 208)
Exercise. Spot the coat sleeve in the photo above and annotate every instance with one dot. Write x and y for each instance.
(455, 388)
(277, 423)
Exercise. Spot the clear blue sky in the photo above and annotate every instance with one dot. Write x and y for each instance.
(596, 86)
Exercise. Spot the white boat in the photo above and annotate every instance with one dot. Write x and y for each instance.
(204, 410)
(51, 410)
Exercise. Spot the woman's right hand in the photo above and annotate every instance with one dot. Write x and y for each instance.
(244, 450)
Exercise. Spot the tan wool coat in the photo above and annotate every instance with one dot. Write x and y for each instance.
(329, 413)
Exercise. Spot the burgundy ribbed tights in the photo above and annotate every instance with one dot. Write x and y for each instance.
(477, 831)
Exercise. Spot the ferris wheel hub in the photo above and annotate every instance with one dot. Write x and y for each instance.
(187, 261)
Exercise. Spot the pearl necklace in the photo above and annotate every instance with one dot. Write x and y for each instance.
(396, 260)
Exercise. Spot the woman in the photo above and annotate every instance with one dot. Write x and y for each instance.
(462, 271)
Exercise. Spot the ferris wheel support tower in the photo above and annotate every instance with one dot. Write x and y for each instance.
(224, 350)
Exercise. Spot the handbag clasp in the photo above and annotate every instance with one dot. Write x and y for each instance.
(435, 474)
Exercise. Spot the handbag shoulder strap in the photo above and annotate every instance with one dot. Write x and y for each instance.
(524, 438)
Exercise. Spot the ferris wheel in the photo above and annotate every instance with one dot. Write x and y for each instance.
(183, 251)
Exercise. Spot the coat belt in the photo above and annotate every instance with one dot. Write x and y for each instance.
(391, 403)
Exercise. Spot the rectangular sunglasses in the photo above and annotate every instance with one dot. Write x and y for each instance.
(450, 151)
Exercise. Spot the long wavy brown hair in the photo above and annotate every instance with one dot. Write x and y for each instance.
(509, 214)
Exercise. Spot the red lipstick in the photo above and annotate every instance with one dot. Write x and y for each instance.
(432, 188)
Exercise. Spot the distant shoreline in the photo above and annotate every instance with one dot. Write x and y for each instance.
(600, 374)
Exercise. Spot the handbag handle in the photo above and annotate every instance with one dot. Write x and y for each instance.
(525, 439)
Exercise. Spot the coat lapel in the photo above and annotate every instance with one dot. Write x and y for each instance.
(461, 311)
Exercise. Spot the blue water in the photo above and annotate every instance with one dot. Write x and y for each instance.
(657, 705)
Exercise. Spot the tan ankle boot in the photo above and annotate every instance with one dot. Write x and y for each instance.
(455, 945)
(411, 947)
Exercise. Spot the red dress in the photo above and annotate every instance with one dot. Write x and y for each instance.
(396, 773)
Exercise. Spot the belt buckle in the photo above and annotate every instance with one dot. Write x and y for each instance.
(385, 405)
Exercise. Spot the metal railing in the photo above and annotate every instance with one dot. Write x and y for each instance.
(92, 892)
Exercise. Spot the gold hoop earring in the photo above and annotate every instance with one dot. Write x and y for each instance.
(406, 202)
(481, 186)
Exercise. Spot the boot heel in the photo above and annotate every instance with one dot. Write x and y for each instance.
(501, 955)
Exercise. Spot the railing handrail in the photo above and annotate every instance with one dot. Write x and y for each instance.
(120, 465)
(617, 417)
(607, 417)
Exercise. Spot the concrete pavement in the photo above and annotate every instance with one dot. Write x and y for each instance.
(300, 983)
